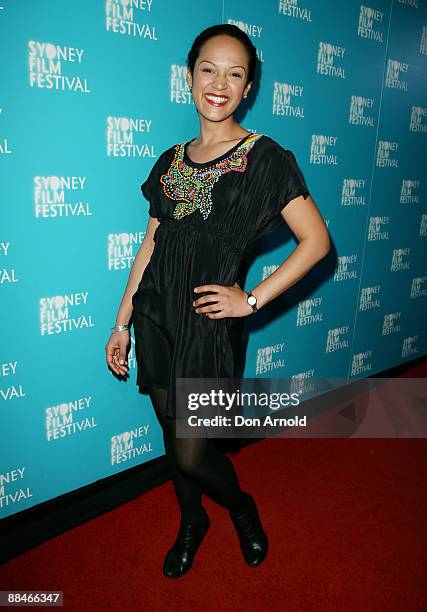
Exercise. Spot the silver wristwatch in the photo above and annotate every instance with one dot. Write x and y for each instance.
(251, 299)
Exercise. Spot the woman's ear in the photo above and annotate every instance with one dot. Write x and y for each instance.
(189, 80)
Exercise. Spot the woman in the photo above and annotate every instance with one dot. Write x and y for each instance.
(210, 199)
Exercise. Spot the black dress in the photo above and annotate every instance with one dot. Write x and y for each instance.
(210, 214)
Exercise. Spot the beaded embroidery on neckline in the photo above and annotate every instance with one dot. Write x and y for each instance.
(192, 186)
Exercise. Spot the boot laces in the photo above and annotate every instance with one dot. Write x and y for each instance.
(247, 525)
(187, 534)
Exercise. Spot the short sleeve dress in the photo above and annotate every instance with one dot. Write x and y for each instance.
(210, 214)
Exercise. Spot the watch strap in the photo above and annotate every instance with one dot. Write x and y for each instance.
(253, 306)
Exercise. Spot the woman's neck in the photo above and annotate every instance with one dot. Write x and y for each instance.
(212, 133)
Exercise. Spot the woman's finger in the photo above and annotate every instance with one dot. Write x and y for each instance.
(112, 359)
(119, 368)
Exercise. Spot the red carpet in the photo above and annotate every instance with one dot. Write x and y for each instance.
(347, 526)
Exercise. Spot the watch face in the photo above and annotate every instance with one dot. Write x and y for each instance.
(251, 300)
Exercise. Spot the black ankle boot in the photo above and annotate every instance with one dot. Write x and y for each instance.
(180, 557)
(252, 537)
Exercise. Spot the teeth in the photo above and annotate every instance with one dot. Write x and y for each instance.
(216, 99)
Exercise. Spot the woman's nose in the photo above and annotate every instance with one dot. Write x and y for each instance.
(220, 83)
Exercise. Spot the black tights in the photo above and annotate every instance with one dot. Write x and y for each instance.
(197, 466)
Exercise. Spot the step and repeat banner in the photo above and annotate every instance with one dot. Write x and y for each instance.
(91, 94)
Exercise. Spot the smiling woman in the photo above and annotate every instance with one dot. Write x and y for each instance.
(220, 74)
(211, 198)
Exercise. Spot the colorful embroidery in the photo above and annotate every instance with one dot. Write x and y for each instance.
(193, 186)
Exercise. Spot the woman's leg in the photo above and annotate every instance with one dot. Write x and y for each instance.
(201, 461)
(188, 493)
(198, 465)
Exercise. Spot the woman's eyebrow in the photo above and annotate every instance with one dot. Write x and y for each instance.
(237, 66)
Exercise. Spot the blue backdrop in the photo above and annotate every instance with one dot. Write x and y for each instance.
(92, 93)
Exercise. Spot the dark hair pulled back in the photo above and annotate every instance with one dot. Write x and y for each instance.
(230, 30)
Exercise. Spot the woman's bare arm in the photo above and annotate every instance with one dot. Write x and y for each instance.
(305, 221)
(141, 260)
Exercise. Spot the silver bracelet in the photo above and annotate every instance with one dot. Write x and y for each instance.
(118, 328)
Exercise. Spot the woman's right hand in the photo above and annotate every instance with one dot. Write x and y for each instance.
(116, 351)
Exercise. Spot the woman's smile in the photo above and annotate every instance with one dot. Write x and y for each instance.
(216, 100)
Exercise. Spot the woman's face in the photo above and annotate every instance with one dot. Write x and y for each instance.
(219, 77)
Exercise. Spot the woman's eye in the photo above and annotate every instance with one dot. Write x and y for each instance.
(206, 69)
(237, 74)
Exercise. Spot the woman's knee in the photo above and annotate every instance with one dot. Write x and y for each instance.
(189, 460)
